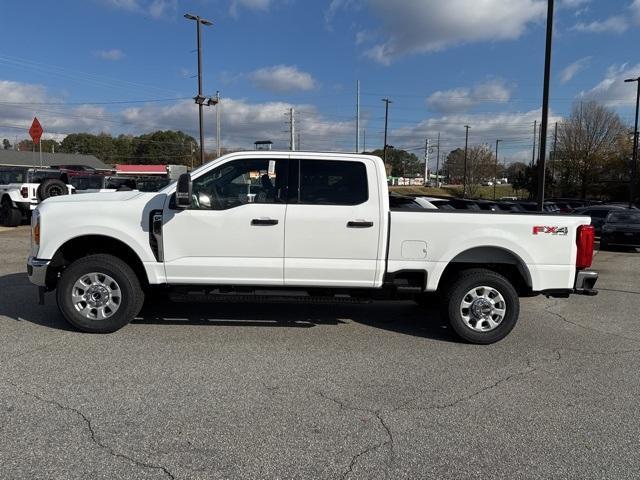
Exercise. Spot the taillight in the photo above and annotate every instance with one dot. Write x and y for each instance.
(584, 241)
(24, 191)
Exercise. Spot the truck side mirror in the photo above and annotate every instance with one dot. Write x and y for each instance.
(183, 191)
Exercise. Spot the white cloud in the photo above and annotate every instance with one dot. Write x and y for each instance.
(514, 129)
(420, 26)
(153, 8)
(282, 78)
(112, 54)
(461, 99)
(243, 122)
(573, 69)
(573, 4)
(612, 91)
(615, 24)
(256, 5)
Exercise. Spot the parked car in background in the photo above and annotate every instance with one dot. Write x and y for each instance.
(404, 202)
(440, 203)
(23, 188)
(100, 183)
(621, 228)
(510, 207)
(488, 205)
(598, 214)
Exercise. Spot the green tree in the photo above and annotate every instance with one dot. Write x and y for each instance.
(401, 163)
(6, 144)
(47, 146)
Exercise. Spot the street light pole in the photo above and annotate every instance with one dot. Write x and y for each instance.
(495, 177)
(200, 98)
(386, 120)
(634, 164)
(464, 176)
(542, 151)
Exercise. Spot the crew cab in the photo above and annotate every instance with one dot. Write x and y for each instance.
(22, 188)
(314, 224)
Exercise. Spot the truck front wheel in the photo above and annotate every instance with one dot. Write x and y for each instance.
(482, 306)
(99, 294)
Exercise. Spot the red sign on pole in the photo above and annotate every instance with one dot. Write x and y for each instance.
(35, 131)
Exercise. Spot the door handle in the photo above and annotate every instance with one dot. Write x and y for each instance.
(359, 224)
(264, 221)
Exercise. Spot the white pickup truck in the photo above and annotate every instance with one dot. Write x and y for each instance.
(317, 224)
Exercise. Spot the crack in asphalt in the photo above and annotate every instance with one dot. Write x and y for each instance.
(92, 432)
(566, 320)
(618, 291)
(389, 440)
(486, 388)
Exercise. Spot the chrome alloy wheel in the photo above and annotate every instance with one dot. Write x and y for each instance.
(96, 296)
(483, 309)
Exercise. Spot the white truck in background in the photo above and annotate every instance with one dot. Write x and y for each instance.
(23, 188)
(311, 222)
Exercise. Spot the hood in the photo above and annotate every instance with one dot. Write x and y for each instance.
(96, 197)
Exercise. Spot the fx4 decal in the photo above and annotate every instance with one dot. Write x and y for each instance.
(537, 230)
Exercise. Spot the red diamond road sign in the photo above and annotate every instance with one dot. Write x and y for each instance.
(35, 131)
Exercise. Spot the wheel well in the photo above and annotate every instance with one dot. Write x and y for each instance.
(80, 247)
(497, 259)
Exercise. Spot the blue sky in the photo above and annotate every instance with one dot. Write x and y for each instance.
(443, 64)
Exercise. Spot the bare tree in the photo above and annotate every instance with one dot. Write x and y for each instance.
(590, 140)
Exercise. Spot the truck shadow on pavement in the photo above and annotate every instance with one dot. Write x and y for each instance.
(18, 301)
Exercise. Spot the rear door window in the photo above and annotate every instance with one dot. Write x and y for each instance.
(331, 182)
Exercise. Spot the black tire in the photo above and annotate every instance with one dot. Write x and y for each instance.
(51, 187)
(131, 294)
(603, 246)
(10, 216)
(461, 286)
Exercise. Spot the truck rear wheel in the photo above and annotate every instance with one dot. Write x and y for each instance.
(99, 294)
(482, 306)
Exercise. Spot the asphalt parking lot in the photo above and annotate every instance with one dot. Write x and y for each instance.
(320, 391)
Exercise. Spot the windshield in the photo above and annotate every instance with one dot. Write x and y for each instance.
(624, 217)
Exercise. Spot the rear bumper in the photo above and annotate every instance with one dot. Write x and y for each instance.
(583, 285)
(585, 282)
(37, 271)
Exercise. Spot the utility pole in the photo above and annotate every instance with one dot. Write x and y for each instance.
(426, 161)
(553, 160)
(438, 163)
(199, 99)
(634, 159)
(466, 145)
(545, 107)
(218, 145)
(533, 154)
(357, 116)
(299, 144)
(292, 129)
(495, 177)
(386, 121)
